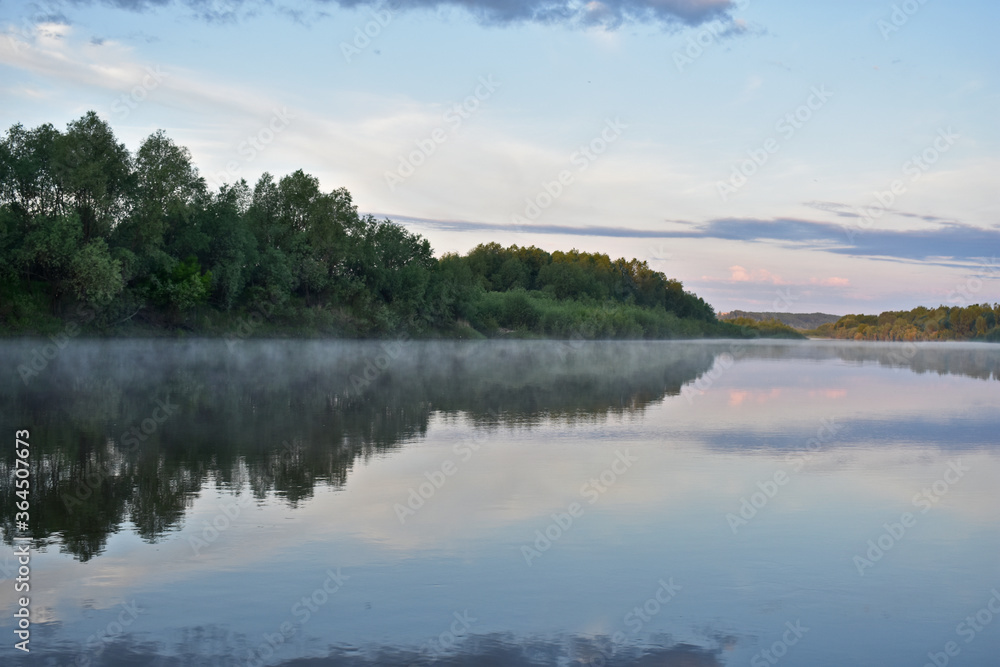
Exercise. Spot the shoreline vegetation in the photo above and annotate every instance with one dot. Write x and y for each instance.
(100, 241)
(978, 322)
(97, 240)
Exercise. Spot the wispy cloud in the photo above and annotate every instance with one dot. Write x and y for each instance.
(949, 240)
(609, 14)
(949, 244)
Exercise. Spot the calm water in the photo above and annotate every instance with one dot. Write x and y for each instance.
(520, 503)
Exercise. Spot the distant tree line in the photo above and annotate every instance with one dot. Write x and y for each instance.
(801, 321)
(976, 322)
(767, 328)
(132, 242)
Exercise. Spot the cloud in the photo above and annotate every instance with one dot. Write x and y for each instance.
(740, 275)
(953, 241)
(832, 281)
(609, 14)
(109, 73)
(605, 13)
(950, 245)
(210, 11)
(962, 244)
(845, 211)
(533, 228)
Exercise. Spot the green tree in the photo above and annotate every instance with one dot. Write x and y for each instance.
(94, 172)
(95, 276)
(232, 252)
(167, 186)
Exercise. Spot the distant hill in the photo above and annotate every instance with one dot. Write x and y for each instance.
(803, 321)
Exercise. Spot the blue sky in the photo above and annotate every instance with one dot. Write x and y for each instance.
(772, 155)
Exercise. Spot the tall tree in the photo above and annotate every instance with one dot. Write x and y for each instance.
(94, 171)
(166, 186)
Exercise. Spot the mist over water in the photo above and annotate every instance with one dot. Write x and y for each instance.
(216, 483)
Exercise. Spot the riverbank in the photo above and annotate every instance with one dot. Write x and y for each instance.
(516, 314)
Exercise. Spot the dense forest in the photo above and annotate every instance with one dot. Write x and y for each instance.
(801, 321)
(766, 328)
(98, 239)
(976, 322)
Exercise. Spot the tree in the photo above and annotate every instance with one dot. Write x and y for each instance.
(94, 172)
(166, 186)
(232, 252)
(27, 182)
(95, 276)
(81, 219)
(182, 288)
(48, 246)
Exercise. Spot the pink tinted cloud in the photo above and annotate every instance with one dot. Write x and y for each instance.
(741, 275)
(832, 281)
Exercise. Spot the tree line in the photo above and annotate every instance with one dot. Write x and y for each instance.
(139, 242)
(975, 322)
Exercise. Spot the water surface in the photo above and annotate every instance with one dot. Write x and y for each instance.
(506, 503)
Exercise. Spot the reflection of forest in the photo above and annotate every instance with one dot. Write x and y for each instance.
(282, 417)
(494, 650)
(975, 360)
(108, 447)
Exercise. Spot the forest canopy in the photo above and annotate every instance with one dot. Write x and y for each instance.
(93, 235)
(975, 322)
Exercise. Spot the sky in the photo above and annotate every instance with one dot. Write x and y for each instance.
(773, 155)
